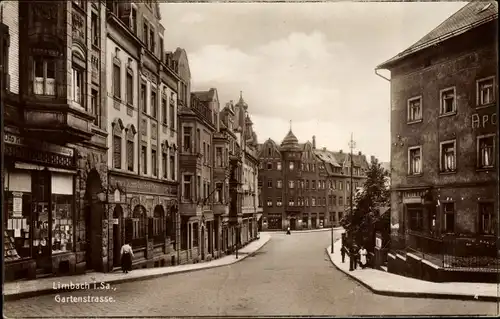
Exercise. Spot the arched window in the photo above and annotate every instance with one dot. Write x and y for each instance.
(157, 224)
(139, 226)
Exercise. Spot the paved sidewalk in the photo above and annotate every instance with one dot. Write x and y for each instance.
(302, 231)
(30, 288)
(385, 283)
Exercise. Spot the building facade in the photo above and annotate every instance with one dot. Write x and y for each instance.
(444, 147)
(303, 187)
(55, 138)
(142, 123)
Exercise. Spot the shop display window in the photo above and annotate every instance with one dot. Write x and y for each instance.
(62, 223)
(17, 225)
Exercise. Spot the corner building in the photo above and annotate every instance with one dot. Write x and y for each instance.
(303, 187)
(444, 149)
(55, 178)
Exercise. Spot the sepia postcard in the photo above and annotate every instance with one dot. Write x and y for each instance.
(249, 158)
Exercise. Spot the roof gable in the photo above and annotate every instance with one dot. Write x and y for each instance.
(269, 149)
(470, 16)
(181, 57)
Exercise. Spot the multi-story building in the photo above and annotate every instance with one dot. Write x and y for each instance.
(304, 187)
(142, 82)
(55, 134)
(247, 140)
(198, 120)
(444, 154)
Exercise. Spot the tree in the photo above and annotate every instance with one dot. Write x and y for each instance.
(369, 202)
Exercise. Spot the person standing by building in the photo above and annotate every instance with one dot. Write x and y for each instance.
(343, 251)
(352, 258)
(362, 256)
(127, 255)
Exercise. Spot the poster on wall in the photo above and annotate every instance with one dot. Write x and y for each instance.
(17, 205)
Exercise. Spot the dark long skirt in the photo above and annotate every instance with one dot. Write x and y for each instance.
(126, 262)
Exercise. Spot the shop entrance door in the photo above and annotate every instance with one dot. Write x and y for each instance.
(293, 225)
(117, 238)
(93, 218)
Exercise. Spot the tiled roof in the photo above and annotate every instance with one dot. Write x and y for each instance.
(205, 96)
(339, 159)
(470, 16)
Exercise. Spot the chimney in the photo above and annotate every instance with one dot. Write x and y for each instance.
(324, 148)
(359, 153)
(314, 142)
(340, 151)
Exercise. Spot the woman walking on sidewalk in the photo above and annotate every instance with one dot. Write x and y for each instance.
(362, 256)
(126, 257)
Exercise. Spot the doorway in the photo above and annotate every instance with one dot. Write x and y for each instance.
(293, 224)
(117, 238)
(94, 212)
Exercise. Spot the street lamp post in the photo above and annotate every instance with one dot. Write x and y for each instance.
(352, 145)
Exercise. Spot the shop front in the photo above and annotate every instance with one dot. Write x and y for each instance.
(39, 208)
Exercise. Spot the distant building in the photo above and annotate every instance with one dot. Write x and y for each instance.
(303, 187)
(444, 155)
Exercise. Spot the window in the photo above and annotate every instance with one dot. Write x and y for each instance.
(291, 184)
(278, 166)
(279, 183)
(203, 151)
(161, 48)
(172, 167)
(130, 89)
(291, 166)
(302, 184)
(341, 201)
(449, 217)
(130, 155)
(319, 184)
(485, 91)
(195, 234)
(486, 219)
(334, 185)
(145, 34)
(269, 152)
(448, 101)
(187, 139)
(154, 166)
(133, 20)
(152, 40)
(94, 105)
(172, 114)
(341, 185)
(334, 200)
(270, 183)
(269, 165)
(117, 152)
(144, 157)
(313, 184)
(279, 202)
(347, 186)
(164, 111)
(416, 215)
(116, 81)
(154, 108)
(187, 187)
(486, 151)
(291, 202)
(143, 98)
(209, 158)
(415, 160)
(415, 109)
(307, 184)
(77, 88)
(95, 29)
(307, 201)
(313, 201)
(448, 156)
(218, 156)
(45, 76)
(269, 202)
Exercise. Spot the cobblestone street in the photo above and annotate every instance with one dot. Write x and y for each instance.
(290, 275)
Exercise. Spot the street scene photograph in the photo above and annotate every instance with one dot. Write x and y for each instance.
(249, 159)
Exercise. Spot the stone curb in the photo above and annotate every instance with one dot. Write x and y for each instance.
(302, 231)
(49, 291)
(432, 295)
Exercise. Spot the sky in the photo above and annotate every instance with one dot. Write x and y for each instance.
(308, 64)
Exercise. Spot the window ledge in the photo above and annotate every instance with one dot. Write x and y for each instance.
(485, 105)
(485, 169)
(117, 98)
(447, 172)
(414, 122)
(415, 175)
(448, 114)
